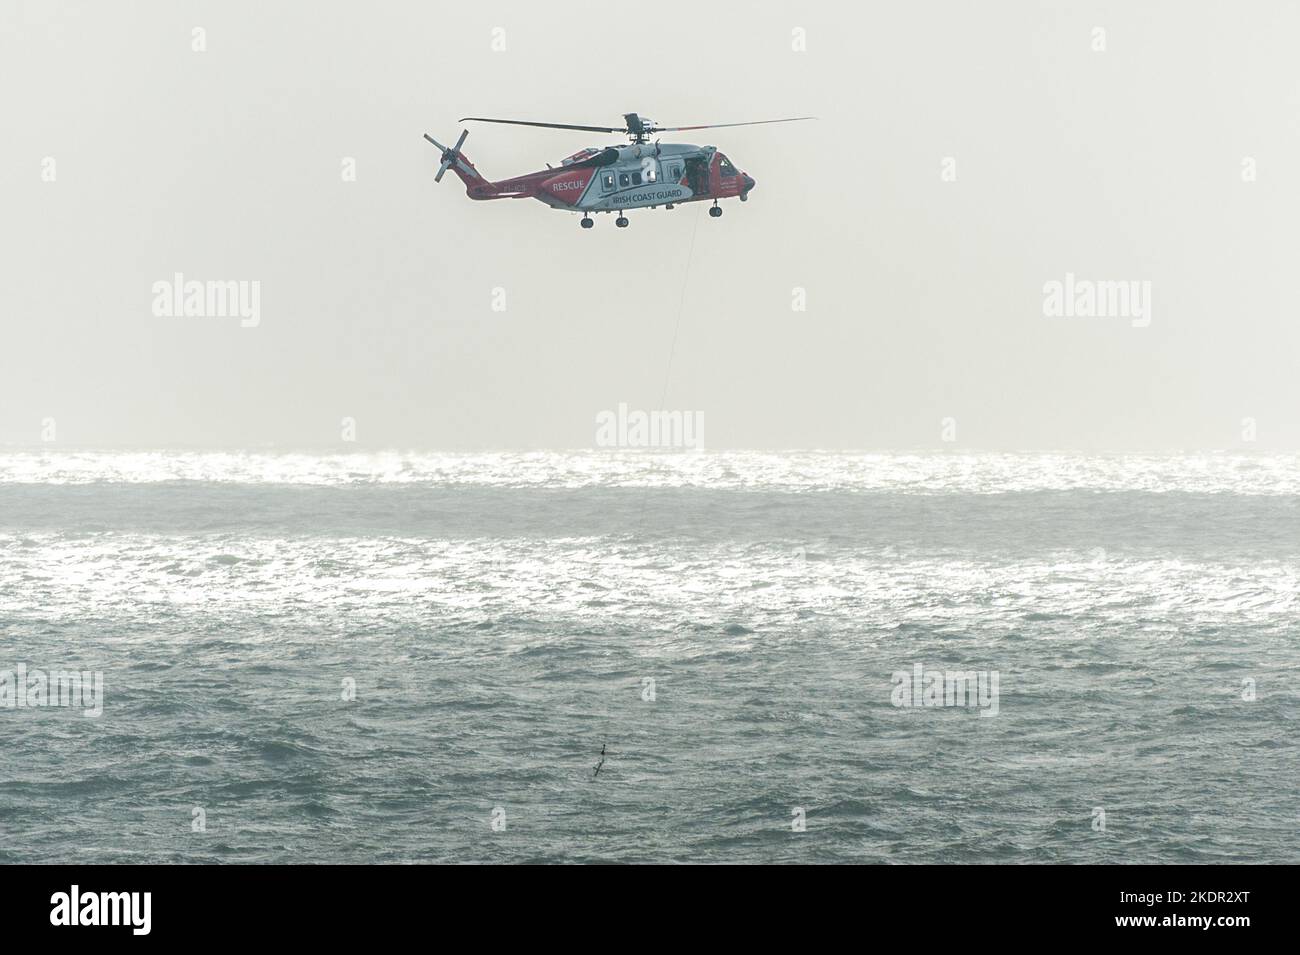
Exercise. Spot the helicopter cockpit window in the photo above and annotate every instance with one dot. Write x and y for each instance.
(726, 168)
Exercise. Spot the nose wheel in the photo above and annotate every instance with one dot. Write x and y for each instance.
(587, 222)
(621, 222)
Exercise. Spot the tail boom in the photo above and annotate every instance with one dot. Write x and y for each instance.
(476, 187)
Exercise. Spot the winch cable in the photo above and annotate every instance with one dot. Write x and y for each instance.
(645, 495)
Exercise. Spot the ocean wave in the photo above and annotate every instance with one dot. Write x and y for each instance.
(916, 473)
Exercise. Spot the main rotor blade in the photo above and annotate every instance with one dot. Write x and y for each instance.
(757, 122)
(522, 122)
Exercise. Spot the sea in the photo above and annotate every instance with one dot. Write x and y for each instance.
(646, 657)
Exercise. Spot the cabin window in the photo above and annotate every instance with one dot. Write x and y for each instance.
(636, 179)
(622, 179)
(607, 182)
(727, 169)
(675, 172)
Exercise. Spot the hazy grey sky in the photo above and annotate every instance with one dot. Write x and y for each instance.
(924, 296)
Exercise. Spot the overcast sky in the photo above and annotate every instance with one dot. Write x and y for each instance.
(925, 297)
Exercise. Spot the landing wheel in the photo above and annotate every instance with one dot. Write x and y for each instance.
(587, 222)
(621, 222)
(715, 211)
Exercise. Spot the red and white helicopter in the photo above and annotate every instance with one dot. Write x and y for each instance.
(639, 175)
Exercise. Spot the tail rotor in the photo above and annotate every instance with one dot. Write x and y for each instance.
(449, 156)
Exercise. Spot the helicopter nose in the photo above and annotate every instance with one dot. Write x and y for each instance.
(749, 183)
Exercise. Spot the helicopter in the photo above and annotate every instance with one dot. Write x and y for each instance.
(639, 175)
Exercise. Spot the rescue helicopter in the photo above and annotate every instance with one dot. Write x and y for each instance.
(639, 175)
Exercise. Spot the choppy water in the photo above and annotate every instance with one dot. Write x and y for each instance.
(501, 615)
